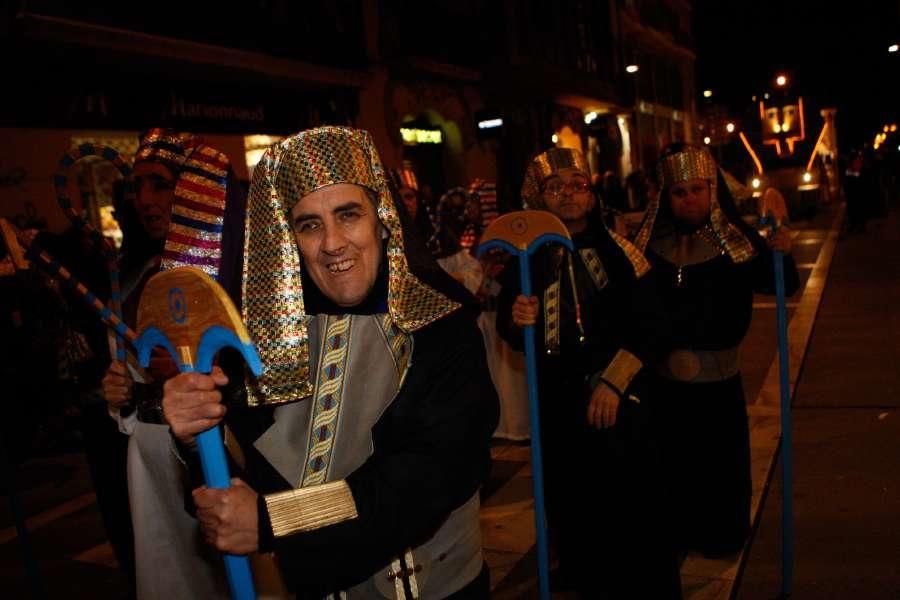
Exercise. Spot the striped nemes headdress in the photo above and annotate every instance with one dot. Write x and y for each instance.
(195, 230)
(273, 308)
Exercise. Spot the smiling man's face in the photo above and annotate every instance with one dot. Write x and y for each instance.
(338, 234)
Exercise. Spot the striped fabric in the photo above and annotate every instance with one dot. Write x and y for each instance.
(195, 231)
(486, 192)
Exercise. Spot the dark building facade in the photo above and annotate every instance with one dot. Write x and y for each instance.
(420, 78)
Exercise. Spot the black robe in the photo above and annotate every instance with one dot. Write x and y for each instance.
(602, 486)
(704, 432)
(431, 454)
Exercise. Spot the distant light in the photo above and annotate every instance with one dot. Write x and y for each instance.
(490, 123)
(421, 136)
(766, 95)
(756, 183)
(632, 69)
(554, 138)
(753, 99)
(886, 129)
(893, 48)
(781, 80)
(893, 127)
(776, 128)
(621, 120)
(898, 148)
(785, 127)
(706, 140)
(589, 118)
(730, 127)
(707, 93)
(807, 177)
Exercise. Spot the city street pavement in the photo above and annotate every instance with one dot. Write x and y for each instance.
(846, 438)
(845, 367)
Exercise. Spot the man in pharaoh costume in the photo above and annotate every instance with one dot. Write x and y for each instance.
(365, 481)
(597, 325)
(707, 265)
(190, 211)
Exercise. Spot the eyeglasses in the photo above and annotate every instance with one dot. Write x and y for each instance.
(573, 186)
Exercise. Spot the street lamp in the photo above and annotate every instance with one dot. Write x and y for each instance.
(781, 80)
(893, 47)
(632, 69)
(729, 127)
(707, 93)
(707, 140)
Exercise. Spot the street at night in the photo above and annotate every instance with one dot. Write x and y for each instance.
(288, 290)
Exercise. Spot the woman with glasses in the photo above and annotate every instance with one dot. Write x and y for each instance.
(597, 324)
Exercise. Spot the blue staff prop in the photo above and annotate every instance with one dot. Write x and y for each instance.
(186, 312)
(521, 233)
(775, 213)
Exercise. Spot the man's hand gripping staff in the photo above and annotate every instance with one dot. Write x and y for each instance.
(186, 312)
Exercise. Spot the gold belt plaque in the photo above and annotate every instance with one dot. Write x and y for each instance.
(684, 365)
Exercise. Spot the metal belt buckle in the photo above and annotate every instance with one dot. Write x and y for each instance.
(684, 365)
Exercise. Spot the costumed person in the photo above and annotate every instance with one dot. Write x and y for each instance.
(707, 265)
(450, 224)
(367, 481)
(191, 212)
(83, 353)
(446, 243)
(598, 326)
(507, 366)
(408, 191)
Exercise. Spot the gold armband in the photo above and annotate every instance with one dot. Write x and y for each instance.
(310, 508)
(621, 370)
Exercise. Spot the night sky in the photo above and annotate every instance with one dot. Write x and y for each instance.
(837, 56)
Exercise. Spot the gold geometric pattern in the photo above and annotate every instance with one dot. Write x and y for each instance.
(329, 394)
(692, 163)
(595, 268)
(543, 166)
(400, 344)
(696, 163)
(273, 289)
(637, 259)
(551, 316)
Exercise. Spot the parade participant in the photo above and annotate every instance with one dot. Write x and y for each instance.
(707, 265)
(368, 479)
(408, 191)
(597, 325)
(188, 213)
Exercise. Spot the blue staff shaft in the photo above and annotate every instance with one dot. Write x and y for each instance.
(543, 554)
(537, 468)
(787, 459)
(215, 472)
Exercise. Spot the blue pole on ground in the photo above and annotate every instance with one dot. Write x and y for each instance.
(787, 458)
(787, 446)
(543, 553)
